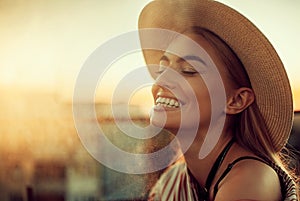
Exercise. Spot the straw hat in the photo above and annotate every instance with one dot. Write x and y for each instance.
(264, 67)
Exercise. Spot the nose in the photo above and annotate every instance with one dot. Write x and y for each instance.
(167, 79)
(166, 82)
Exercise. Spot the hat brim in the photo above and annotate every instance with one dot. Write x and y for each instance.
(267, 75)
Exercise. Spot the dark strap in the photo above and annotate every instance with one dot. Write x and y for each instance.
(229, 167)
(216, 166)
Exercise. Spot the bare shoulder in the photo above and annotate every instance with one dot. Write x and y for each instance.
(250, 180)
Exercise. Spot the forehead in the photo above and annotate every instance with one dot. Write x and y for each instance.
(192, 44)
(156, 43)
(189, 42)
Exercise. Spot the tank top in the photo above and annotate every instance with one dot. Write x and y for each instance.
(178, 184)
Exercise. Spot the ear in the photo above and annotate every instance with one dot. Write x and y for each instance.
(239, 100)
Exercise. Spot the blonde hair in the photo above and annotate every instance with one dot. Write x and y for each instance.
(250, 130)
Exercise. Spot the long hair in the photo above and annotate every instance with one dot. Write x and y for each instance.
(250, 130)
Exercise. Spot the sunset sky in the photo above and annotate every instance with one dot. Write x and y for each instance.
(45, 43)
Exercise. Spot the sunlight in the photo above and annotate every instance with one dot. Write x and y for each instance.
(7, 76)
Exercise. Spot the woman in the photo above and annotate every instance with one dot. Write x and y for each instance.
(245, 162)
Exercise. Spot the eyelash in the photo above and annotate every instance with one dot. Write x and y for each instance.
(189, 72)
(185, 72)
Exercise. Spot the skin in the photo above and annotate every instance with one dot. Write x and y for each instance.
(239, 184)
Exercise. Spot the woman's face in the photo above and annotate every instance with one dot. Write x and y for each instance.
(180, 90)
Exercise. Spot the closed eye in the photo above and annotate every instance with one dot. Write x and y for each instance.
(189, 72)
(191, 63)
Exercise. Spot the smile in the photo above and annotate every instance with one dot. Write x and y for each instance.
(167, 102)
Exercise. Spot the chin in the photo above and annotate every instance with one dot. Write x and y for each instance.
(161, 124)
(156, 123)
(172, 123)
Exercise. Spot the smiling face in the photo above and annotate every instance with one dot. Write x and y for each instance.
(181, 89)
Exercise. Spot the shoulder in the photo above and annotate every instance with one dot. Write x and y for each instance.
(252, 180)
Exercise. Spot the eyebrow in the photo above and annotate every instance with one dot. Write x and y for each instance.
(185, 58)
(193, 57)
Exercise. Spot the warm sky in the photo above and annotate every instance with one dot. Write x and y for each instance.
(45, 43)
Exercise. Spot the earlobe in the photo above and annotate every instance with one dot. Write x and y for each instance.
(239, 100)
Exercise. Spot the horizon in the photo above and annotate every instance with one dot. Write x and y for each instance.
(141, 99)
(57, 37)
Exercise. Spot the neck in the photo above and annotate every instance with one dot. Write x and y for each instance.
(200, 167)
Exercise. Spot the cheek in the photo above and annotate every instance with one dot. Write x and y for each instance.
(204, 103)
(203, 99)
(201, 92)
(154, 90)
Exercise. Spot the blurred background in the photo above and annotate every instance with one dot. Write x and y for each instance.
(43, 47)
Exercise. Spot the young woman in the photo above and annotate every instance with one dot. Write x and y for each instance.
(245, 162)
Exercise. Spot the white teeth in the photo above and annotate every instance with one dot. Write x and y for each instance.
(158, 100)
(167, 102)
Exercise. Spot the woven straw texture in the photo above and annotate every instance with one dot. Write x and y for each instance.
(263, 65)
